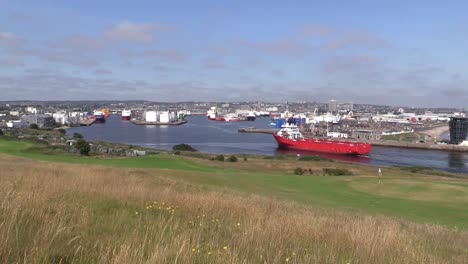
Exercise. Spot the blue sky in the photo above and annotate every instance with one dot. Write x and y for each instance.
(409, 53)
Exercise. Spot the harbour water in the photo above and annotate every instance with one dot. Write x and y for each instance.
(222, 137)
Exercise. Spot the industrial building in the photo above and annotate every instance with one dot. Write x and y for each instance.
(458, 127)
(41, 120)
(332, 106)
(366, 135)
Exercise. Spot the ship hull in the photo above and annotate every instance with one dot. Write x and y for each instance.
(325, 146)
(126, 114)
(251, 118)
(99, 119)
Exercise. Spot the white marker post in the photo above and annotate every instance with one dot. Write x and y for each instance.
(380, 174)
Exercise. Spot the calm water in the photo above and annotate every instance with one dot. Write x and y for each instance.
(221, 137)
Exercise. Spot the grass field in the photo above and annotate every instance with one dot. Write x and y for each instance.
(87, 209)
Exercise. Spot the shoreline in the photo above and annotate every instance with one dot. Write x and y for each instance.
(177, 123)
(436, 132)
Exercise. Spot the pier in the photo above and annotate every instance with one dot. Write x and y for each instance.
(255, 130)
(414, 145)
(176, 123)
(383, 143)
(87, 122)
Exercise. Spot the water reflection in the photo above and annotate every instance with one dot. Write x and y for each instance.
(455, 160)
(348, 158)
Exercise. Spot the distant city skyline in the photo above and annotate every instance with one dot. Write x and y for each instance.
(368, 52)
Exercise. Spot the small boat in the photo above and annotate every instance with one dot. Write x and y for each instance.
(126, 114)
(99, 117)
(289, 137)
(251, 116)
(212, 113)
(106, 112)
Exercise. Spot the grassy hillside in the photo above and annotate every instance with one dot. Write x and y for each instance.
(414, 196)
(171, 209)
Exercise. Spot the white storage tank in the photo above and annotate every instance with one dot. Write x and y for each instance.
(173, 117)
(60, 118)
(164, 117)
(151, 116)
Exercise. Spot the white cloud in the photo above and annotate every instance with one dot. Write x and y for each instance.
(11, 62)
(8, 38)
(338, 64)
(128, 31)
(363, 39)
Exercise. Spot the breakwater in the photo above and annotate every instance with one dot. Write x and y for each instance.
(257, 130)
(176, 123)
(87, 122)
(413, 145)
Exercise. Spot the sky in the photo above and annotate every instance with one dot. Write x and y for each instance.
(402, 53)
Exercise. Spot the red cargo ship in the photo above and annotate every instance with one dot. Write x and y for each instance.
(289, 137)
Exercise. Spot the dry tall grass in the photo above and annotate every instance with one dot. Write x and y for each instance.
(66, 213)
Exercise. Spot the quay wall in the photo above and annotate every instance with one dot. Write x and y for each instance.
(384, 143)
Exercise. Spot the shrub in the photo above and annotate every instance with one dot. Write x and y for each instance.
(33, 126)
(39, 141)
(313, 158)
(1, 132)
(183, 147)
(176, 152)
(77, 135)
(298, 171)
(62, 131)
(245, 158)
(219, 158)
(83, 146)
(232, 158)
(336, 172)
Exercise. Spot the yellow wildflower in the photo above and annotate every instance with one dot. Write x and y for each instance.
(209, 253)
(287, 259)
(225, 247)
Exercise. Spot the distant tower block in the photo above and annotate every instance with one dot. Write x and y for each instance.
(332, 106)
(458, 129)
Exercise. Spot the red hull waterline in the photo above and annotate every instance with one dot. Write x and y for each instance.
(324, 145)
(126, 118)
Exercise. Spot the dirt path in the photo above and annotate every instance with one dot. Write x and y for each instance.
(436, 132)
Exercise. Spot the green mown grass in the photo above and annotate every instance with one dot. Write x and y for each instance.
(222, 212)
(394, 196)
